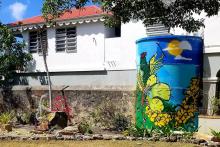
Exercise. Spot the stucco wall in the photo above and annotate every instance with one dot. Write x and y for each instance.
(89, 55)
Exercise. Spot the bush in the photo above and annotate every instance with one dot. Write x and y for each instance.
(6, 117)
(120, 123)
(215, 133)
(84, 128)
(135, 131)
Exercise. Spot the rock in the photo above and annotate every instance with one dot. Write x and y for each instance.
(195, 141)
(215, 139)
(71, 130)
(7, 127)
(79, 137)
(173, 138)
(86, 137)
(67, 137)
(153, 139)
(119, 137)
(107, 137)
(97, 137)
(204, 144)
(23, 138)
(164, 139)
(60, 138)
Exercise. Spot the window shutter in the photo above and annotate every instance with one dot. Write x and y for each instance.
(33, 44)
(38, 40)
(43, 43)
(71, 40)
(60, 40)
(66, 39)
(157, 30)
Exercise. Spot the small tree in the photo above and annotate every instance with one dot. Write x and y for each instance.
(171, 13)
(43, 45)
(12, 56)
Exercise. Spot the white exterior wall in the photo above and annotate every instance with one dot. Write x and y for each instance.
(121, 52)
(95, 50)
(89, 55)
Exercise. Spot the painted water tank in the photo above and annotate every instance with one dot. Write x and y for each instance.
(168, 82)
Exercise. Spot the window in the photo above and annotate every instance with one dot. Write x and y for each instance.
(38, 40)
(66, 40)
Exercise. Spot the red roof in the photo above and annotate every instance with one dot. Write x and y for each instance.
(72, 14)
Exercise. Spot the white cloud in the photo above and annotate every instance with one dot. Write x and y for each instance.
(18, 10)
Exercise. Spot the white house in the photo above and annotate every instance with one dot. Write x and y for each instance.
(82, 51)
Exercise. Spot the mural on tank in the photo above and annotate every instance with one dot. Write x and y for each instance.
(168, 82)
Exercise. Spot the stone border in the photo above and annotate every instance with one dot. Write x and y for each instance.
(80, 137)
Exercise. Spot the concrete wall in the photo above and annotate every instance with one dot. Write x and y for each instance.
(119, 78)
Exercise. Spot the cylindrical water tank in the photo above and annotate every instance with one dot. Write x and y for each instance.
(168, 81)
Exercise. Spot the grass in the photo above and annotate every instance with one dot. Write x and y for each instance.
(90, 144)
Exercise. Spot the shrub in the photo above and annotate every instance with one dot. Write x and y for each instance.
(85, 128)
(215, 133)
(135, 131)
(6, 117)
(120, 123)
(215, 106)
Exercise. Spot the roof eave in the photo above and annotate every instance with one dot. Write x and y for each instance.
(64, 22)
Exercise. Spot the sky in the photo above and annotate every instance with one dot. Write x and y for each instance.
(13, 10)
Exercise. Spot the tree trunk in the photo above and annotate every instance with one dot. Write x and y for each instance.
(49, 81)
(44, 52)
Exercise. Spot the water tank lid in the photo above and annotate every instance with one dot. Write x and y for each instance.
(168, 37)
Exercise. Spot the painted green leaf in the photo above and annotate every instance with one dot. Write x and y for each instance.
(151, 81)
(161, 90)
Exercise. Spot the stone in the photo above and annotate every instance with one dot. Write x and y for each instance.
(71, 130)
(173, 138)
(60, 138)
(164, 139)
(153, 139)
(215, 139)
(107, 137)
(79, 137)
(97, 137)
(66, 137)
(7, 127)
(119, 137)
(204, 144)
(86, 137)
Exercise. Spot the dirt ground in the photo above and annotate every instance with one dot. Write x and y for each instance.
(91, 144)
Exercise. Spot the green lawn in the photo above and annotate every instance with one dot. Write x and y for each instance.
(90, 144)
